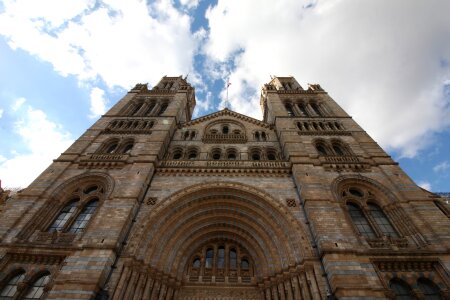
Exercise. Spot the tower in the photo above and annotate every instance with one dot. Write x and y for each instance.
(151, 204)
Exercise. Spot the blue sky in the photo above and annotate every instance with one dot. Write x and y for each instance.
(63, 63)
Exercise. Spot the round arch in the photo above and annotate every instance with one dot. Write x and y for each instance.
(189, 218)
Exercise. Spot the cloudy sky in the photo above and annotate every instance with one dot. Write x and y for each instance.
(63, 63)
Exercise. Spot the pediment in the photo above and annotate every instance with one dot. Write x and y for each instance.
(227, 114)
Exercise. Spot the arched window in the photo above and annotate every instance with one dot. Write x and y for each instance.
(302, 109)
(263, 136)
(10, 289)
(401, 290)
(209, 258)
(177, 154)
(316, 109)
(216, 154)
(360, 221)
(192, 154)
(321, 149)
(256, 155)
(429, 289)
(196, 263)
(245, 265)
(257, 136)
(221, 257)
(381, 220)
(83, 218)
(150, 108)
(136, 108)
(299, 126)
(289, 109)
(186, 135)
(162, 109)
(225, 129)
(233, 259)
(127, 148)
(338, 150)
(36, 289)
(231, 154)
(271, 154)
(111, 148)
(64, 216)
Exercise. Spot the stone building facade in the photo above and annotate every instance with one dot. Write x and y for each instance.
(151, 204)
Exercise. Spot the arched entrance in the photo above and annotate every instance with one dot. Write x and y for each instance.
(222, 241)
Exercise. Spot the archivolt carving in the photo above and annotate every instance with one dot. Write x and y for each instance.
(105, 179)
(201, 213)
(362, 181)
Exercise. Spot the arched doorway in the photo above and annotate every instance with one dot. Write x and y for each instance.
(224, 241)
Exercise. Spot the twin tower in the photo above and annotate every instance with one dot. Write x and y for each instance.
(151, 204)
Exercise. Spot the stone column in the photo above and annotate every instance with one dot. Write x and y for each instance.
(304, 286)
(131, 284)
(281, 291)
(274, 292)
(148, 288)
(312, 280)
(162, 292)
(296, 287)
(288, 288)
(155, 290)
(140, 286)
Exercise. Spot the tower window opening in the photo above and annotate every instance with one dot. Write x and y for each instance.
(289, 109)
(316, 109)
(112, 148)
(209, 258)
(196, 263)
(163, 108)
(321, 149)
(221, 257)
(233, 259)
(225, 129)
(302, 109)
(338, 150)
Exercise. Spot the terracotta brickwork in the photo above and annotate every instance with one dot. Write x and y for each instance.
(151, 204)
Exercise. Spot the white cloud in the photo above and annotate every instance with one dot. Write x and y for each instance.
(44, 140)
(98, 102)
(441, 167)
(18, 104)
(189, 3)
(123, 42)
(1, 112)
(425, 185)
(385, 67)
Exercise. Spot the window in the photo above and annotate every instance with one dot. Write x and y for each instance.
(10, 289)
(321, 149)
(289, 109)
(429, 289)
(244, 264)
(256, 156)
(233, 259)
(257, 136)
(36, 289)
(360, 221)
(316, 109)
(111, 148)
(401, 290)
(64, 216)
(216, 154)
(83, 218)
(338, 150)
(163, 108)
(221, 257)
(231, 154)
(150, 108)
(302, 109)
(177, 154)
(225, 129)
(196, 263)
(209, 258)
(192, 154)
(127, 148)
(381, 220)
(136, 108)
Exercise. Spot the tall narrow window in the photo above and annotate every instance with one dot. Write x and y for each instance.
(381, 220)
(289, 109)
(225, 129)
(150, 108)
(429, 289)
(209, 258)
(84, 217)
(316, 109)
(321, 150)
(10, 288)
(245, 264)
(302, 109)
(196, 263)
(233, 259)
(111, 148)
(221, 257)
(163, 109)
(128, 147)
(136, 108)
(401, 290)
(36, 290)
(63, 216)
(338, 150)
(360, 221)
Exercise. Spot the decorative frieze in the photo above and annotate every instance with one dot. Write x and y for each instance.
(103, 160)
(224, 138)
